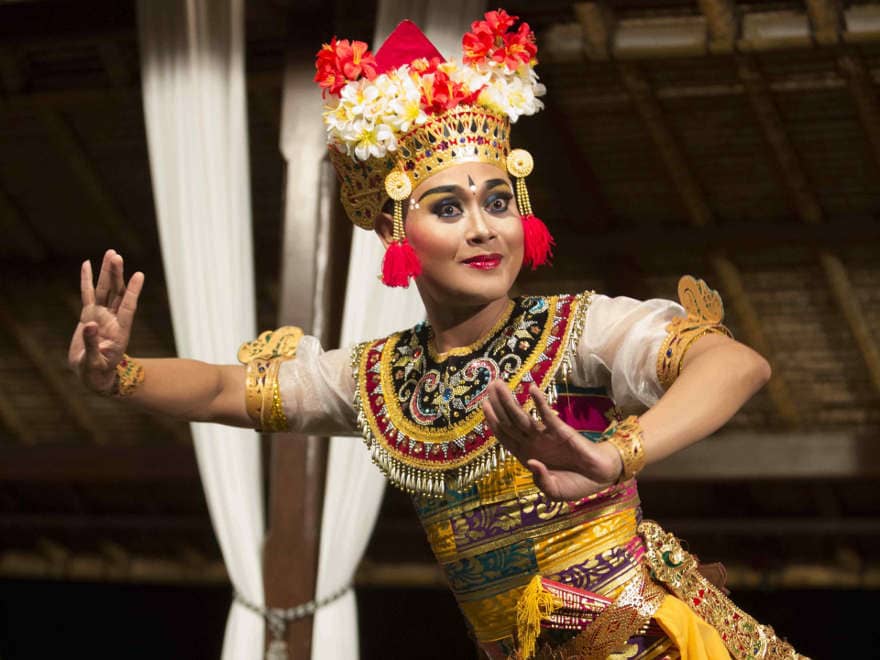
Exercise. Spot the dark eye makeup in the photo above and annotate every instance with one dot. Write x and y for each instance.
(448, 207)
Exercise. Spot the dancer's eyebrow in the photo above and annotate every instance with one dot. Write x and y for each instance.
(439, 189)
(491, 183)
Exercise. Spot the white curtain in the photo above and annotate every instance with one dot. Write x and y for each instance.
(194, 105)
(353, 492)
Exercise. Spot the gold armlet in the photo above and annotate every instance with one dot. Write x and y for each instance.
(705, 312)
(264, 357)
(626, 436)
(130, 375)
(272, 344)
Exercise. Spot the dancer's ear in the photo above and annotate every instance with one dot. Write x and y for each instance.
(384, 228)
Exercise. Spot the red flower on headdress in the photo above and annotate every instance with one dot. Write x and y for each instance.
(489, 40)
(444, 93)
(423, 66)
(342, 61)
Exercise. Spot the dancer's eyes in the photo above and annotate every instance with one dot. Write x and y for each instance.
(498, 202)
(448, 207)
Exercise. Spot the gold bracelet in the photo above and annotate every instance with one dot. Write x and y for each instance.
(626, 436)
(130, 375)
(272, 417)
(263, 357)
(255, 382)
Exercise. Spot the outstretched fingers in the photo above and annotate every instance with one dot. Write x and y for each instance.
(102, 291)
(86, 284)
(128, 304)
(117, 288)
(548, 415)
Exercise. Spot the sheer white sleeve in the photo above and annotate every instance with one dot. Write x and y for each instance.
(619, 345)
(317, 390)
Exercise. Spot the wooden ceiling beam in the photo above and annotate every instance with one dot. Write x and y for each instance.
(12, 422)
(60, 464)
(597, 27)
(809, 210)
(59, 384)
(699, 214)
(863, 89)
(826, 20)
(722, 23)
(68, 145)
(753, 456)
(15, 228)
(54, 561)
(754, 237)
(720, 26)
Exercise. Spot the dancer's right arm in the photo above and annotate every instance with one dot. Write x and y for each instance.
(186, 389)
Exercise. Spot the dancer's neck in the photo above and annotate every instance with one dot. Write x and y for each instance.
(455, 327)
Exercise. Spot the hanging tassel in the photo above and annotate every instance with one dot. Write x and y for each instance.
(535, 604)
(400, 263)
(537, 241)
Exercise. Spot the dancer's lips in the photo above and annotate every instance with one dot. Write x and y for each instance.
(484, 261)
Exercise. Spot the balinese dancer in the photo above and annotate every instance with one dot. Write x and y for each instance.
(518, 425)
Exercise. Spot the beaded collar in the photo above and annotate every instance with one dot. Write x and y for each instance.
(420, 413)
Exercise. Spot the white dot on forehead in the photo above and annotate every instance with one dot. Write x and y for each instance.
(471, 184)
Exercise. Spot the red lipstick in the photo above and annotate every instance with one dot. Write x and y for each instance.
(484, 261)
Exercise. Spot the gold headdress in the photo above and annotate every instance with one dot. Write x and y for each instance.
(397, 118)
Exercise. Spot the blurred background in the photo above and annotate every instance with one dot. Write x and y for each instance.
(739, 142)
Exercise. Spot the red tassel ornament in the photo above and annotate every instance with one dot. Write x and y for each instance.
(400, 264)
(537, 241)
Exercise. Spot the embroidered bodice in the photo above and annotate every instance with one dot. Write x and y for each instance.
(421, 413)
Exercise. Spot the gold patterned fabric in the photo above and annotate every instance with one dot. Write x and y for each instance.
(705, 313)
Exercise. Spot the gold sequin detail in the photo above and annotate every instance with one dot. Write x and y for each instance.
(745, 638)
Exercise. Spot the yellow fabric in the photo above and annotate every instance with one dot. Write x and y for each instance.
(695, 639)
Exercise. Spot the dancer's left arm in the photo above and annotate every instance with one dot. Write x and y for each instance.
(718, 375)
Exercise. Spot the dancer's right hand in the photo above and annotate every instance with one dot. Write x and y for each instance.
(102, 334)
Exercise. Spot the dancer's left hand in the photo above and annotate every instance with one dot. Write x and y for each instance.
(566, 465)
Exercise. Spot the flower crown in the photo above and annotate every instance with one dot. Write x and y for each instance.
(407, 108)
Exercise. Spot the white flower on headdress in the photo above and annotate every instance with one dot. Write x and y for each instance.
(404, 102)
(513, 94)
(472, 78)
(372, 140)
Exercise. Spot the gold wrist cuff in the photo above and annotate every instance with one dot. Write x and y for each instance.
(626, 436)
(130, 375)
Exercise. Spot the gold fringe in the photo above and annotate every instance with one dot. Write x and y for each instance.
(535, 604)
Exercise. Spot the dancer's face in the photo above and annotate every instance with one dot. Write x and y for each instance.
(466, 231)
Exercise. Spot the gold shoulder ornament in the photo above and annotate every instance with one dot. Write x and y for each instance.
(263, 357)
(705, 313)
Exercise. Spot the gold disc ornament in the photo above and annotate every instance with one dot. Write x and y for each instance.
(520, 163)
(398, 185)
